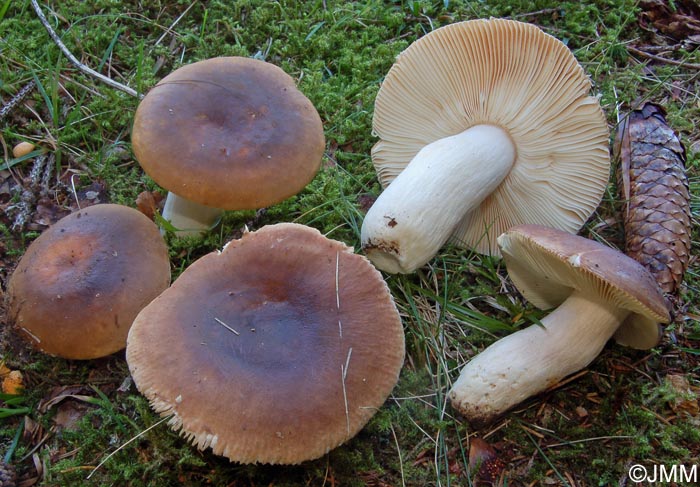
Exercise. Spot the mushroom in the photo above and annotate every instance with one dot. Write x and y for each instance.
(81, 283)
(598, 293)
(228, 133)
(483, 125)
(274, 350)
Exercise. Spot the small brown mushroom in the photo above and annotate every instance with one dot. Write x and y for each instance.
(81, 283)
(598, 293)
(274, 350)
(227, 133)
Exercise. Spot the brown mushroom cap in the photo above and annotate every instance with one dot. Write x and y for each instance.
(274, 350)
(547, 265)
(510, 75)
(81, 283)
(231, 133)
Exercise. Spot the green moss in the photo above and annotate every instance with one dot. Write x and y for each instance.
(339, 52)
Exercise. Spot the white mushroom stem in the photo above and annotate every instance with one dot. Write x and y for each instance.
(531, 360)
(188, 217)
(418, 212)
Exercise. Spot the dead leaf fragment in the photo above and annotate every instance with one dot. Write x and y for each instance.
(4, 370)
(678, 20)
(483, 457)
(688, 396)
(12, 383)
(68, 414)
(148, 203)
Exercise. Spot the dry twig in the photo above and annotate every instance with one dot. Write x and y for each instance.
(85, 69)
(660, 59)
(17, 99)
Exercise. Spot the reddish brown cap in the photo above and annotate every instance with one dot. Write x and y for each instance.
(232, 133)
(79, 286)
(275, 350)
(547, 265)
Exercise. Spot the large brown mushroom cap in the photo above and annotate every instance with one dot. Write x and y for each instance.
(275, 350)
(81, 283)
(231, 133)
(510, 75)
(547, 265)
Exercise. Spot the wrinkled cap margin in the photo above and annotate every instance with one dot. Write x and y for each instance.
(275, 350)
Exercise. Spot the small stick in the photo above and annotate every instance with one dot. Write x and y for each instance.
(226, 326)
(344, 373)
(170, 29)
(398, 450)
(122, 446)
(85, 69)
(15, 100)
(660, 59)
(28, 197)
(337, 292)
(75, 193)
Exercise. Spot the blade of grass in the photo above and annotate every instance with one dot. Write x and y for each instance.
(110, 48)
(18, 160)
(3, 9)
(469, 316)
(15, 441)
(546, 459)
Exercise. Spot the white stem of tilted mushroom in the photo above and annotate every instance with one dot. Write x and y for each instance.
(188, 217)
(533, 359)
(418, 212)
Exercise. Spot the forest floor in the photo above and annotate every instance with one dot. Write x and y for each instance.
(627, 407)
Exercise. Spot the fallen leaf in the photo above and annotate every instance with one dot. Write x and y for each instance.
(483, 457)
(92, 194)
(687, 398)
(148, 203)
(365, 201)
(4, 370)
(12, 383)
(47, 213)
(68, 413)
(678, 21)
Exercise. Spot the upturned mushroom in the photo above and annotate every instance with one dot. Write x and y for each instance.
(81, 283)
(598, 293)
(483, 125)
(227, 133)
(274, 350)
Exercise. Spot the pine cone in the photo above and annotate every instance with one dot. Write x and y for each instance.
(654, 186)
(7, 475)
